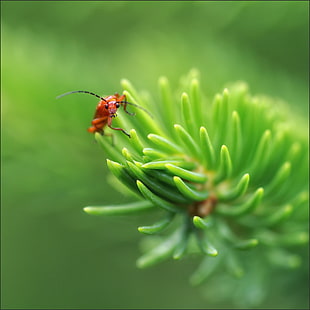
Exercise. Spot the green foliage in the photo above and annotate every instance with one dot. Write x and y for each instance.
(54, 255)
(232, 175)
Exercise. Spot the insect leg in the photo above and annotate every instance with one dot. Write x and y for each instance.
(116, 128)
(98, 124)
(124, 103)
(125, 108)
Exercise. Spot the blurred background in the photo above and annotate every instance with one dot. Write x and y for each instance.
(54, 255)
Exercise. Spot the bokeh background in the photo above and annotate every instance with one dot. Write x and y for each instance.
(53, 254)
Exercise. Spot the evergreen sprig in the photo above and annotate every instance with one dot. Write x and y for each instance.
(233, 175)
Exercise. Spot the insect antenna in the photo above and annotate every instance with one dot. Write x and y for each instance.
(137, 106)
(81, 91)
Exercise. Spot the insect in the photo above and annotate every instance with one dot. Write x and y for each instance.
(106, 110)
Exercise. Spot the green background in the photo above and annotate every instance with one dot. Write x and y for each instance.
(53, 254)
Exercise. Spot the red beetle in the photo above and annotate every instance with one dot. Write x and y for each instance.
(106, 110)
